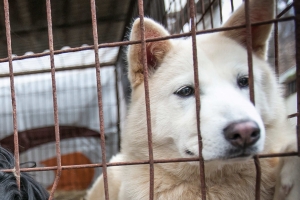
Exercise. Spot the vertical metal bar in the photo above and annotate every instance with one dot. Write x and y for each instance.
(176, 24)
(99, 92)
(276, 52)
(221, 12)
(147, 98)
(211, 14)
(258, 177)
(118, 107)
(251, 85)
(54, 93)
(182, 17)
(297, 40)
(203, 13)
(232, 6)
(197, 98)
(249, 50)
(12, 90)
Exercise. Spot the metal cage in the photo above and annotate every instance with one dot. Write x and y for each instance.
(182, 19)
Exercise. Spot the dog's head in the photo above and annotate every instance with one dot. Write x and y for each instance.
(231, 126)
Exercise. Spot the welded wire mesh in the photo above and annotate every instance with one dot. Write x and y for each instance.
(182, 19)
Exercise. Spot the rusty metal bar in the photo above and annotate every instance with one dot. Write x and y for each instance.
(221, 11)
(140, 162)
(276, 51)
(197, 98)
(147, 98)
(54, 93)
(272, 155)
(258, 177)
(251, 85)
(297, 40)
(143, 41)
(293, 115)
(203, 11)
(117, 44)
(108, 64)
(118, 107)
(99, 92)
(211, 7)
(213, 30)
(13, 95)
(249, 50)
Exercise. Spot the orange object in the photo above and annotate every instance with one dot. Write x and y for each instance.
(73, 179)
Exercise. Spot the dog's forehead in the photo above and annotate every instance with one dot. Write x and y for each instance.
(220, 60)
(214, 52)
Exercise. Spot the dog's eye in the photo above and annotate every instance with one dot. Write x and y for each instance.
(243, 82)
(185, 91)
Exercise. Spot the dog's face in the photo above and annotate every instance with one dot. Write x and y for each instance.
(231, 126)
(224, 96)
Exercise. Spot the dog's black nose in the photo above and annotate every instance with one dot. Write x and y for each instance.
(242, 134)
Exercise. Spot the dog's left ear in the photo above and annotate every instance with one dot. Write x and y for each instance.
(260, 10)
(156, 51)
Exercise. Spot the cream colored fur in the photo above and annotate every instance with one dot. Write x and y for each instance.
(222, 58)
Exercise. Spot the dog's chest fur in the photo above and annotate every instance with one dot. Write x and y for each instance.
(220, 185)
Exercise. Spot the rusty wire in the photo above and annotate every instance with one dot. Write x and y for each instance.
(117, 44)
(258, 177)
(139, 162)
(118, 108)
(249, 50)
(99, 95)
(276, 51)
(55, 105)
(203, 13)
(211, 13)
(143, 42)
(197, 98)
(13, 95)
(251, 85)
(297, 39)
(147, 98)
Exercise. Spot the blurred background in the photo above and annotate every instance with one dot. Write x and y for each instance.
(76, 76)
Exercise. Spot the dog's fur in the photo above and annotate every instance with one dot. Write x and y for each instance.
(222, 60)
(30, 189)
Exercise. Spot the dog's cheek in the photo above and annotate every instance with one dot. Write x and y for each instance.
(185, 129)
(266, 88)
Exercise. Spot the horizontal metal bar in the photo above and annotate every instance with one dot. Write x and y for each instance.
(140, 162)
(117, 44)
(107, 64)
(293, 115)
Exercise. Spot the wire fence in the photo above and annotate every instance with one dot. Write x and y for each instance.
(185, 22)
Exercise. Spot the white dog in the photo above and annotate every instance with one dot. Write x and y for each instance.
(232, 128)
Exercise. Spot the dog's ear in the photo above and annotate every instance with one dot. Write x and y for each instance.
(260, 10)
(155, 50)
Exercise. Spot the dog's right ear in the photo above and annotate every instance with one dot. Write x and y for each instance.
(260, 10)
(155, 50)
